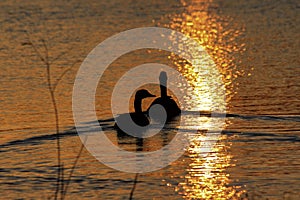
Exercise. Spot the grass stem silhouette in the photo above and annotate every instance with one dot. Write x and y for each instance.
(52, 85)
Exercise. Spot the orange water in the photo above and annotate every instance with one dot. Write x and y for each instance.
(255, 46)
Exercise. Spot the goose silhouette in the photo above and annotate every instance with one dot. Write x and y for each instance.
(171, 108)
(138, 116)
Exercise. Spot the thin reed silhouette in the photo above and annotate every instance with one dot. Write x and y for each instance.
(52, 87)
(134, 186)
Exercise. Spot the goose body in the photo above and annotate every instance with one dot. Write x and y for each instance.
(138, 117)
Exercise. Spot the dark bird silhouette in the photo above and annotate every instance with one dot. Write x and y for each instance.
(138, 117)
(164, 100)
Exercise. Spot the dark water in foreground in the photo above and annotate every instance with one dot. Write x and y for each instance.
(255, 46)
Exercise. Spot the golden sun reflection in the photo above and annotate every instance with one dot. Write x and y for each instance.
(206, 173)
(220, 36)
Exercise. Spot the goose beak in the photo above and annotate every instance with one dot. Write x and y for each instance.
(151, 95)
(141, 94)
(148, 94)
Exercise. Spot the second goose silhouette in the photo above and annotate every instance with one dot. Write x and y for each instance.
(167, 102)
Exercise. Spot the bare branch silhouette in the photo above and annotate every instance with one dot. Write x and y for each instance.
(35, 48)
(60, 55)
(51, 87)
(63, 74)
(134, 185)
(62, 181)
(72, 171)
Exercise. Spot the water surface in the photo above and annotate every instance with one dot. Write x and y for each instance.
(255, 47)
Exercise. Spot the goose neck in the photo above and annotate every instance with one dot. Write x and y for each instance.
(138, 105)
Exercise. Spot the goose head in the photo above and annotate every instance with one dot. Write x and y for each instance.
(139, 96)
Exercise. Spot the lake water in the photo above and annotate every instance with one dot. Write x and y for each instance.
(255, 46)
